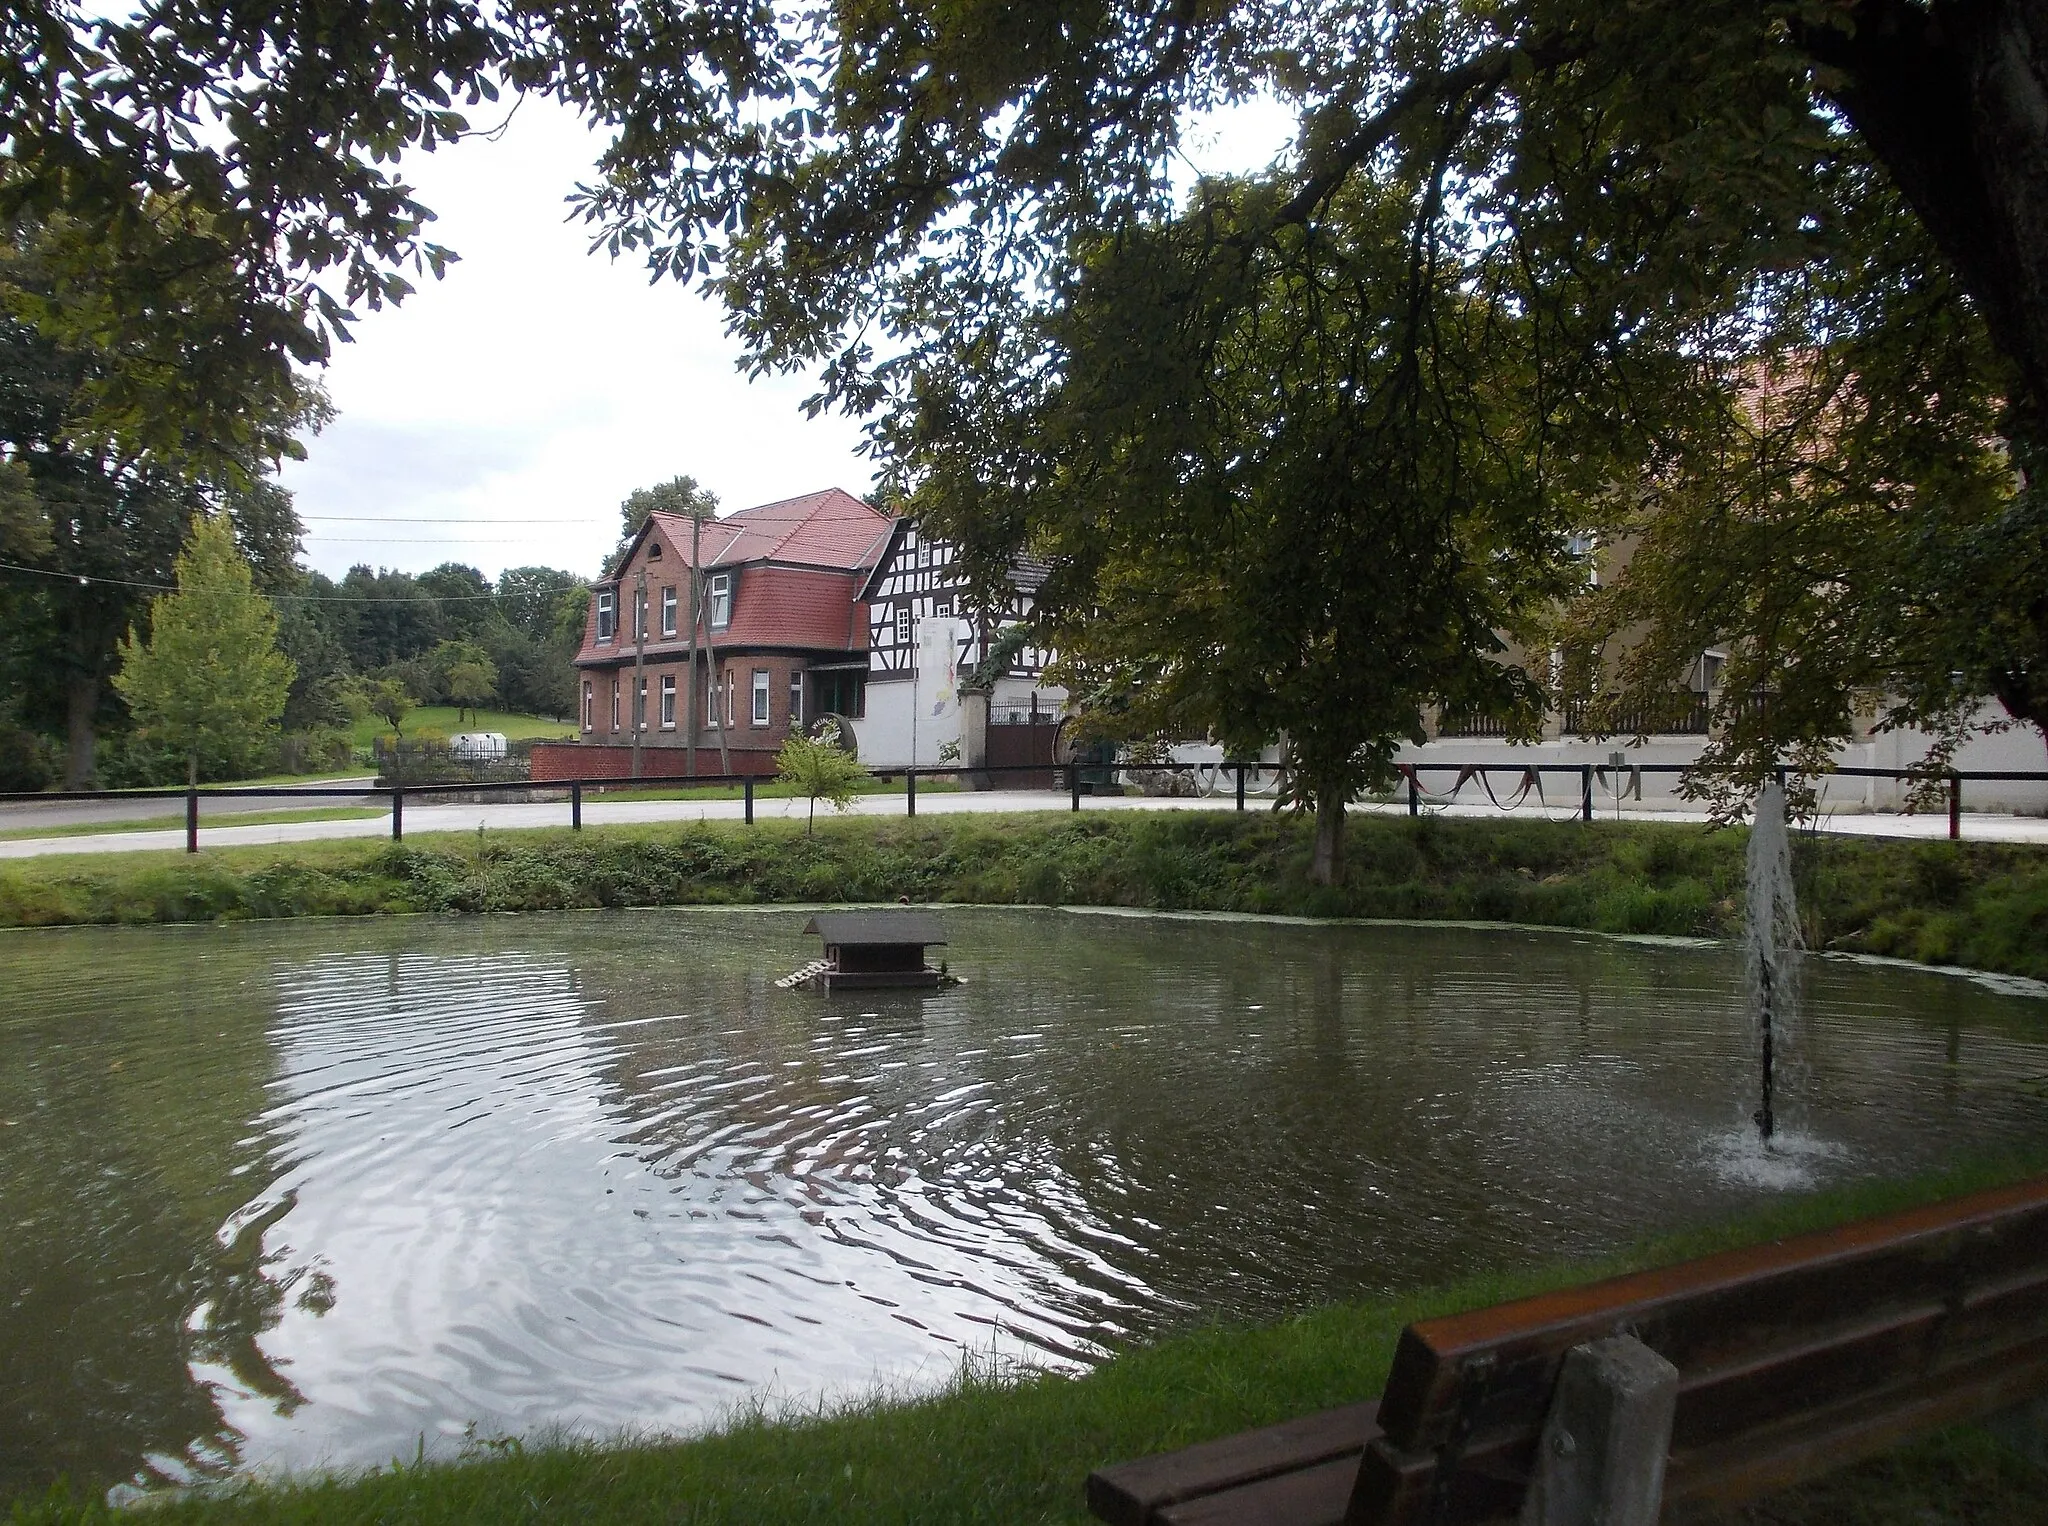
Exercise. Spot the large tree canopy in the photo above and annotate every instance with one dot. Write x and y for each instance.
(911, 195)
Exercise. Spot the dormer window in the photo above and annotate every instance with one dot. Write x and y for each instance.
(721, 600)
(607, 614)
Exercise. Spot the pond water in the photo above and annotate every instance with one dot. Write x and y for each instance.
(319, 1193)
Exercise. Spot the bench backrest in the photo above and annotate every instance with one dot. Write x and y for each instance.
(1792, 1356)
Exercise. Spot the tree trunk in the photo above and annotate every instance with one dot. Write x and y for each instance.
(192, 769)
(1953, 99)
(1326, 867)
(81, 706)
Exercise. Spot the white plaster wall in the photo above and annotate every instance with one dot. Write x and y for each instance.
(885, 732)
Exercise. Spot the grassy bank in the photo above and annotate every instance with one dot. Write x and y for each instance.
(994, 1449)
(1978, 904)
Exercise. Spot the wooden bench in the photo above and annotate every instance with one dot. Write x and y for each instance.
(1790, 1359)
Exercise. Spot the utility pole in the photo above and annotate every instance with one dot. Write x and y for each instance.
(690, 672)
(638, 714)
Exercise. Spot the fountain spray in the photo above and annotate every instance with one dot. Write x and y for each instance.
(1771, 940)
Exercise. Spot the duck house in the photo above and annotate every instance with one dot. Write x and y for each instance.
(865, 949)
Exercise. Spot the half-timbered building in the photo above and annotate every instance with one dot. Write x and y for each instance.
(926, 634)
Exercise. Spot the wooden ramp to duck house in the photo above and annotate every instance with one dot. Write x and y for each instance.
(877, 948)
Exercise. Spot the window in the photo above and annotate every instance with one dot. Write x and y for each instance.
(589, 707)
(615, 704)
(668, 611)
(668, 700)
(721, 600)
(640, 705)
(711, 701)
(796, 698)
(760, 716)
(942, 608)
(654, 550)
(607, 620)
(902, 626)
(639, 614)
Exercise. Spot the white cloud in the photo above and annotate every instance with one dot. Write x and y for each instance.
(540, 382)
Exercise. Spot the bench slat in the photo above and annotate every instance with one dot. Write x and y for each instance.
(1130, 1493)
(1314, 1496)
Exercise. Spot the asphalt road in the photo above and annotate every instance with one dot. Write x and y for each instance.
(421, 817)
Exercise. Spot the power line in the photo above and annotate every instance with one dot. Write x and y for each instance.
(85, 581)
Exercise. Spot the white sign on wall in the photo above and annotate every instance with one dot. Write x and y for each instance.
(937, 701)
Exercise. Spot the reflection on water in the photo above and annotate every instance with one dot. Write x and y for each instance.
(316, 1194)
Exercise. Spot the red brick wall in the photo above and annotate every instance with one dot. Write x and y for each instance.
(554, 762)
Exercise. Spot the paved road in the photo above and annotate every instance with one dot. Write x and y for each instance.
(58, 811)
(423, 818)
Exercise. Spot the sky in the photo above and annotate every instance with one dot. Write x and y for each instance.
(498, 416)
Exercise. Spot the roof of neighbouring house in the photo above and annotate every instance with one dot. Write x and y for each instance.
(844, 929)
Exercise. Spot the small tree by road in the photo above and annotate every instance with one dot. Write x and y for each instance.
(210, 674)
(388, 701)
(470, 683)
(819, 770)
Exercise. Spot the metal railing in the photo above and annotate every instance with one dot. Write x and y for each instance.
(1071, 779)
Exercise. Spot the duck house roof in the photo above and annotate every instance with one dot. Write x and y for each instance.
(845, 929)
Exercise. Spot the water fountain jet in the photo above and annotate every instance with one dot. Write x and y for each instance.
(1771, 942)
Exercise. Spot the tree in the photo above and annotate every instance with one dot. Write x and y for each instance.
(470, 684)
(819, 770)
(1286, 495)
(387, 699)
(679, 495)
(209, 676)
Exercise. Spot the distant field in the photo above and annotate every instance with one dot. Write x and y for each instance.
(442, 718)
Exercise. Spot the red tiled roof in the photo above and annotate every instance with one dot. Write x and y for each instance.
(828, 529)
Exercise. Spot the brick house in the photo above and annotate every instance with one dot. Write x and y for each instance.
(787, 638)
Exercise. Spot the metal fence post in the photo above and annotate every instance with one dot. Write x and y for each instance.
(747, 787)
(576, 806)
(1240, 786)
(1414, 792)
(192, 820)
(1586, 792)
(1074, 779)
(910, 791)
(1955, 806)
(397, 811)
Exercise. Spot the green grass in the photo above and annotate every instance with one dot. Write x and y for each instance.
(207, 819)
(443, 718)
(1983, 905)
(998, 1448)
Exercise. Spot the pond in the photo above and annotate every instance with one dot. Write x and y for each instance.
(294, 1195)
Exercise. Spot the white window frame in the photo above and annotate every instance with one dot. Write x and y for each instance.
(640, 704)
(721, 600)
(668, 702)
(711, 701)
(796, 698)
(903, 625)
(763, 706)
(668, 611)
(607, 615)
(616, 687)
(589, 706)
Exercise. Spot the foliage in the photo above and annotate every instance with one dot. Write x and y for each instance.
(101, 528)
(210, 673)
(819, 769)
(1290, 491)
(387, 698)
(1980, 905)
